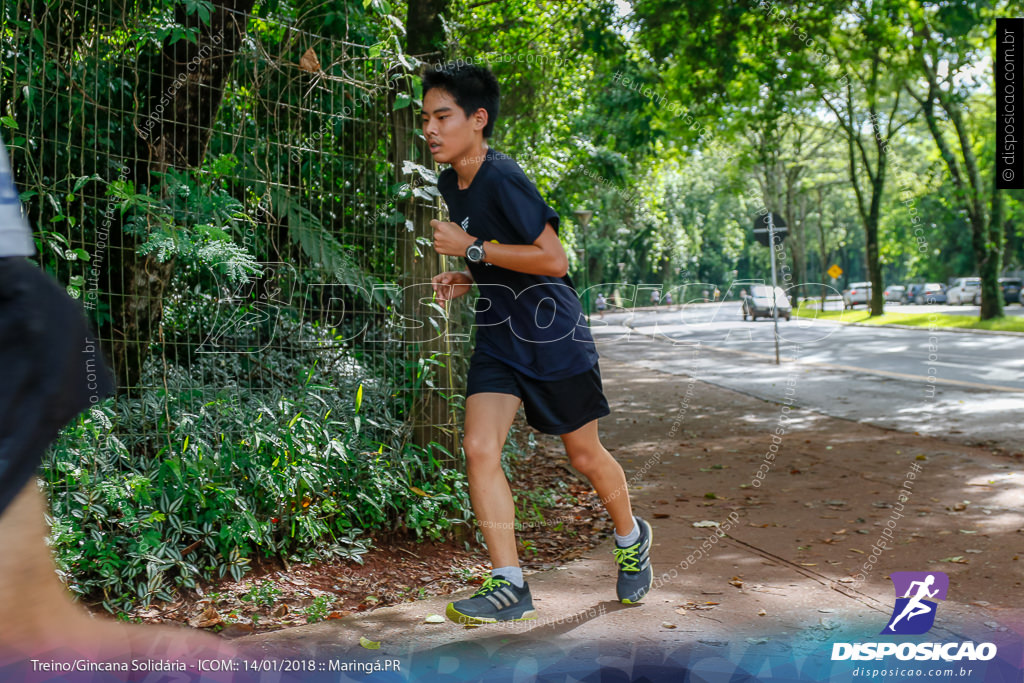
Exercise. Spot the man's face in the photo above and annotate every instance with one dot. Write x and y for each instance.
(449, 132)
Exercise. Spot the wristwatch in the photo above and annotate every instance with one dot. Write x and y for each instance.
(475, 252)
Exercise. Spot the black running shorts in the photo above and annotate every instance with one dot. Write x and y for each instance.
(50, 369)
(553, 407)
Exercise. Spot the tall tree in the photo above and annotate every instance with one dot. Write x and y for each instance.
(785, 161)
(866, 44)
(947, 42)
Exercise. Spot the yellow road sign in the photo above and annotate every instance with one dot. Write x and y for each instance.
(835, 271)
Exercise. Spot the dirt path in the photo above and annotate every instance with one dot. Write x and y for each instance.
(792, 573)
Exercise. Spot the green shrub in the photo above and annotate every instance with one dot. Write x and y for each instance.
(156, 493)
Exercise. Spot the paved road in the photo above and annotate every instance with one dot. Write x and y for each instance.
(767, 600)
(967, 385)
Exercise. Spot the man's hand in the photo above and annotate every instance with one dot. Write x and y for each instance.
(450, 239)
(451, 285)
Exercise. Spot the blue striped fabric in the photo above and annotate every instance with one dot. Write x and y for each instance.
(15, 234)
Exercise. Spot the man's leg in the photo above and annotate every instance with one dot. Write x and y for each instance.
(488, 419)
(38, 616)
(633, 535)
(589, 456)
(504, 596)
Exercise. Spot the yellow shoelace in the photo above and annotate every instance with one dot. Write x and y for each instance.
(491, 584)
(628, 558)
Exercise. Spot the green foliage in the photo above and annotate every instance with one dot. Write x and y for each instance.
(156, 493)
(264, 419)
(319, 609)
(263, 594)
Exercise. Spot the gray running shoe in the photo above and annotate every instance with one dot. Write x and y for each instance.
(635, 573)
(497, 600)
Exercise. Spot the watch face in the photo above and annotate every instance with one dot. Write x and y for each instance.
(474, 253)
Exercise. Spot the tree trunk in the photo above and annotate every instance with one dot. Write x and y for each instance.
(431, 417)
(990, 263)
(183, 102)
(822, 248)
(871, 238)
(986, 226)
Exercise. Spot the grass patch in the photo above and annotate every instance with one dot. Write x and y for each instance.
(1007, 324)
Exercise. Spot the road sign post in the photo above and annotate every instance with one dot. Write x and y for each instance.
(775, 284)
(770, 230)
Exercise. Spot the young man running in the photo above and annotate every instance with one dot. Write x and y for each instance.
(532, 345)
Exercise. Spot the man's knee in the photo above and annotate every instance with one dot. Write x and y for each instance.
(588, 460)
(481, 450)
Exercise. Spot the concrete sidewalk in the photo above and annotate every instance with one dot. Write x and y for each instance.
(792, 573)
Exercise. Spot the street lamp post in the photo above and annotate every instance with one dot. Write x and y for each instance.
(583, 216)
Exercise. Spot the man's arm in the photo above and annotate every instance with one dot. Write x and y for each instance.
(545, 256)
(452, 284)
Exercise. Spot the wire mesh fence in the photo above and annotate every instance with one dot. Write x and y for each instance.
(237, 202)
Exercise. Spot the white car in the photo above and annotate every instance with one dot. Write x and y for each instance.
(963, 290)
(857, 293)
(759, 303)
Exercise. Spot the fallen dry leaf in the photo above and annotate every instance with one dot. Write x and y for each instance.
(205, 619)
(369, 644)
(309, 61)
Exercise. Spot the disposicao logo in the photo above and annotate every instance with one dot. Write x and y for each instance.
(914, 614)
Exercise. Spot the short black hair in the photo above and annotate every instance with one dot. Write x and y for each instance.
(470, 85)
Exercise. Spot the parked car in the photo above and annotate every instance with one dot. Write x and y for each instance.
(758, 303)
(930, 293)
(857, 293)
(1011, 287)
(963, 290)
(896, 294)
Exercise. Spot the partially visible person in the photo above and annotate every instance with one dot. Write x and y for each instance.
(601, 304)
(51, 370)
(668, 299)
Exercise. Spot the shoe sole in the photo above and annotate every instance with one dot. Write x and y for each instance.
(650, 538)
(460, 618)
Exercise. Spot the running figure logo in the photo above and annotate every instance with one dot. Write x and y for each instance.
(914, 613)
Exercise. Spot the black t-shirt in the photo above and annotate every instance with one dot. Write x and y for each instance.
(532, 322)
